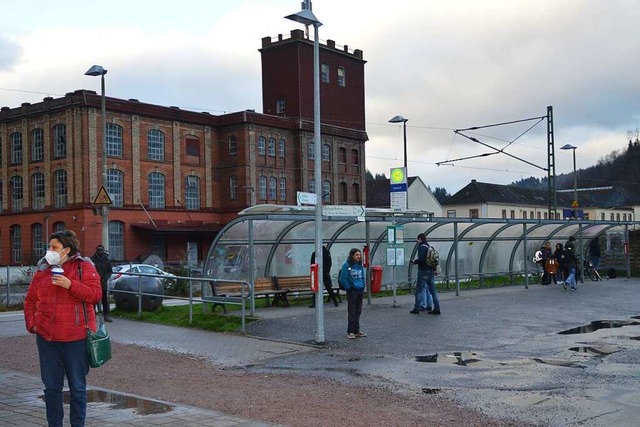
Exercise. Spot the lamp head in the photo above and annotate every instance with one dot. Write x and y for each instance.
(398, 119)
(96, 70)
(568, 147)
(306, 17)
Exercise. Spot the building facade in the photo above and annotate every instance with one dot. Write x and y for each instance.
(174, 177)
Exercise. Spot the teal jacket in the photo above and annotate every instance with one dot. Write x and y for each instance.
(352, 276)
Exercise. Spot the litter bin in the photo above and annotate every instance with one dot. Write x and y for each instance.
(376, 278)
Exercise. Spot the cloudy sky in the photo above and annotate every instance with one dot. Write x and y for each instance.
(444, 65)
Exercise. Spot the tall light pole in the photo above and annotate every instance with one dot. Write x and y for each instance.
(575, 176)
(400, 119)
(94, 71)
(306, 17)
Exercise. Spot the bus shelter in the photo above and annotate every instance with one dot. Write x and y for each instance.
(278, 240)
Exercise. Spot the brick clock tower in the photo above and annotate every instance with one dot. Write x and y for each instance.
(287, 81)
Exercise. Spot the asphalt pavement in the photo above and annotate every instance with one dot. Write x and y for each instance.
(543, 355)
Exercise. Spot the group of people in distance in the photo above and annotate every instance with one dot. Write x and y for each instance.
(560, 266)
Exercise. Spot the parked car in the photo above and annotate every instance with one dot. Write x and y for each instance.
(120, 271)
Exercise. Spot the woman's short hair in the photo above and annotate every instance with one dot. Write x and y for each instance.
(68, 239)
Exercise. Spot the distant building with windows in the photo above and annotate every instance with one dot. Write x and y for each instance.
(175, 177)
(485, 200)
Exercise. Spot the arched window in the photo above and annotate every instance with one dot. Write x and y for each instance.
(16, 148)
(283, 189)
(37, 191)
(115, 187)
(326, 153)
(262, 142)
(343, 193)
(37, 145)
(16, 193)
(342, 155)
(156, 190)
(16, 244)
(263, 188)
(116, 240)
(312, 185)
(37, 242)
(155, 145)
(233, 187)
(272, 147)
(60, 141)
(273, 188)
(114, 140)
(355, 158)
(192, 192)
(59, 189)
(281, 148)
(326, 191)
(355, 189)
(233, 145)
(311, 153)
(58, 226)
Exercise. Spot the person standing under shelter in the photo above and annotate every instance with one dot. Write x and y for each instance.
(103, 266)
(426, 278)
(594, 252)
(326, 275)
(64, 283)
(351, 279)
(572, 262)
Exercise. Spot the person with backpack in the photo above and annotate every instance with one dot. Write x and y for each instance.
(572, 263)
(427, 262)
(351, 279)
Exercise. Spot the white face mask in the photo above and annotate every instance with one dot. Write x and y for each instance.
(52, 257)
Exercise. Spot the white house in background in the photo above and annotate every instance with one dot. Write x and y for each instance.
(419, 197)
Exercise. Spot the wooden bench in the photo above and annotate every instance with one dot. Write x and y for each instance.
(230, 292)
(296, 284)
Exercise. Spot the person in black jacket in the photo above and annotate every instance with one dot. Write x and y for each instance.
(326, 275)
(103, 266)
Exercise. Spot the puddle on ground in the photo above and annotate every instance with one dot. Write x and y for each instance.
(596, 350)
(119, 401)
(462, 358)
(598, 324)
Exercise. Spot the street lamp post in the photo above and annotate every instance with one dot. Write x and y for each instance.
(400, 119)
(575, 175)
(94, 71)
(306, 17)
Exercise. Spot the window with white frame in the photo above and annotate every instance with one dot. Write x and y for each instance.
(326, 152)
(272, 147)
(37, 145)
(192, 193)
(281, 147)
(273, 188)
(115, 187)
(311, 152)
(16, 244)
(37, 242)
(233, 145)
(283, 189)
(233, 187)
(59, 189)
(280, 106)
(37, 191)
(156, 191)
(155, 145)
(114, 140)
(263, 188)
(16, 193)
(262, 142)
(59, 226)
(116, 240)
(16, 148)
(326, 191)
(451, 213)
(324, 73)
(312, 185)
(60, 141)
(342, 78)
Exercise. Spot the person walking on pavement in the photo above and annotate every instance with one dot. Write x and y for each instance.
(351, 279)
(572, 262)
(326, 275)
(103, 266)
(64, 283)
(426, 279)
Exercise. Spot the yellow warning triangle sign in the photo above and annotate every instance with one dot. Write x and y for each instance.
(102, 198)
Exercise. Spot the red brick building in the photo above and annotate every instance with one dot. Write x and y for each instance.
(175, 177)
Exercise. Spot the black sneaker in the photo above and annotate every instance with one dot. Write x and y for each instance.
(414, 311)
(435, 311)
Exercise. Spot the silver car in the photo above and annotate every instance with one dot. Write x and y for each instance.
(120, 271)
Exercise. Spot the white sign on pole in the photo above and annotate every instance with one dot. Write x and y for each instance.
(343, 210)
(306, 198)
(391, 256)
(398, 201)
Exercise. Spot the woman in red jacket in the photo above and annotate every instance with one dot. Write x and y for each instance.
(53, 310)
